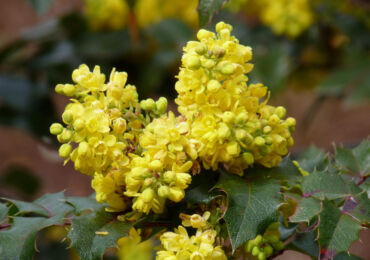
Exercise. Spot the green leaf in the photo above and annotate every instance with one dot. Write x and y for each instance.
(285, 172)
(306, 243)
(84, 239)
(346, 256)
(207, 8)
(82, 204)
(337, 230)
(252, 206)
(3, 212)
(199, 189)
(358, 207)
(18, 242)
(355, 161)
(306, 209)
(313, 159)
(321, 184)
(41, 6)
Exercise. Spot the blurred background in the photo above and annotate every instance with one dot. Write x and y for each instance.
(313, 55)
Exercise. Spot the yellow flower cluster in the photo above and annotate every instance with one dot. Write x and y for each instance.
(133, 158)
(162, 170)
(106, 14)
(185, 10)
(178, 245)
(230, 121)
(114, 14)
(289, 17)
(132, 248)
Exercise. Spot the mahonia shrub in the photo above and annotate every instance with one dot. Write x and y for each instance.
(208, 183)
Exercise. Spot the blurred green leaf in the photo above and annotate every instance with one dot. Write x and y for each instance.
(3, 212)
(274, 62)
(206, 10)
(41, 6)
(15, 91)
(20, 178)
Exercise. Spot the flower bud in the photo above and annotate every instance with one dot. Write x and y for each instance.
(67, 117)
(213, 85)
(258, 240)
(274, 120)
(240, 134)
(59, 89)
(249, 246)
(204, 34)
(268, 250)
(147, 195)
(201, 49)
(248, 158)
(228, 117)
(176, 194)
(65, 136)
(163, 191)
(228, 69)
(259, 141)
(233, 148)
(242, 118)
(56, 129)
(148, 104)
(83, 148)
(69, 90)
(119, 126)
(191, 62)
(156, 165)
(65, 150)
(208, 64)
(261, 256)
(169, 176)
(280, 112)
(219, 52)
(290, 121)
(255, 251)
(267, 129)
(78, 124)
(161, 105)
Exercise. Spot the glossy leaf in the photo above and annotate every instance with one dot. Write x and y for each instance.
(249, 211)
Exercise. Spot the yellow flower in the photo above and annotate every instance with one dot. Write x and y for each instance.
(132, 248)
(106, 14)
(229, 120)
(289, 17)
(195, 220)
(178, 245)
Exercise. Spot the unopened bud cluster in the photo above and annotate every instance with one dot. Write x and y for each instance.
(264, 246)
(230, 120)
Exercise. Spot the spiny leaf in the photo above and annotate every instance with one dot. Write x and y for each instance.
(85, 240)
(286, 172)
(355, 161)
(306, 243)
(337, 231)
(358, 207)
(207, 8)
(82, 204)
(252, 206)
(322, 184)
(313, 159)
(199, 189)
(306, 209)
(18, 242)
